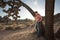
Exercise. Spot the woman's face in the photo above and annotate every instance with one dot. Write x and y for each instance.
(36, 13)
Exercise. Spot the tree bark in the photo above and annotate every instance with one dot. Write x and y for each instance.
(49, 18)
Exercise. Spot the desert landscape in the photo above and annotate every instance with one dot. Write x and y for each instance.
(24, 30)
(21, 31)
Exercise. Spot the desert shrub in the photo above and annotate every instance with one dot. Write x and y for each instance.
(16, 28)
(57, 34)
(9, 28)
(27, 25)
(1, 27)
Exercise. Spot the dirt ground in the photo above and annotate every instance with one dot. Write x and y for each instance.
(23, 34)
(26, 33)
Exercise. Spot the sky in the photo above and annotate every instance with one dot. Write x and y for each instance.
(35, 5)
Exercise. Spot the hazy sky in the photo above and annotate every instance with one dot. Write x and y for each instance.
(36, 5)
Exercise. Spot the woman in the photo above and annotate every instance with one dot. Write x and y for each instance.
(38, 19)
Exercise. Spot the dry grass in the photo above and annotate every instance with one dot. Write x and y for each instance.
(26, 31)
(15, 26)
(24, 34)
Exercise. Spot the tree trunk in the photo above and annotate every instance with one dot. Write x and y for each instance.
(49, 18)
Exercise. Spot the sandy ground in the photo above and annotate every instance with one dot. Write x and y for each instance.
(27, 33)
(23, 34)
